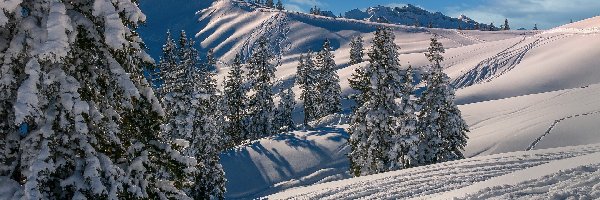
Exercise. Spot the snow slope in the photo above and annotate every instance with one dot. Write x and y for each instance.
(557, 59)
(469, 176)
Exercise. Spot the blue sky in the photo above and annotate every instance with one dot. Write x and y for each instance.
(520, 13)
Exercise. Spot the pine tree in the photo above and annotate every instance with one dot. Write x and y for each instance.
(360, 82)
(441, 128)
(491, 27)
(535, 27)
(235, 98)
(261, 106)
(270, 4)
(315, 10)
(379, 136)
(72, 81)
(404, 152)
(308, 79)
(329, 88)
(506, 26)
(170, 70)
(194, 117)
(211, 61)
(287, 102)
(280, 5)
(356, 50)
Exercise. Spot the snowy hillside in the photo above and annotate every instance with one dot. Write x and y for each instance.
(414, 16)
(519, 90)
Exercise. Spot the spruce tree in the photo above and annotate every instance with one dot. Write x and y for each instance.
(270, 4)
(72, 81)
(359, 81)
(261, 106)
(506, 26)
(235, 98)
(356, 50)
(170, 71)
(404, 152)
(315, 10)
(287, 102)
(329, 88)
(380, 136)
(441, 127)
(280, 5)
(211, 61)
(194, 117)
(308, 79)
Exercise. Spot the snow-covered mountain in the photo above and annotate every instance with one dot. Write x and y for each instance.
(414, 16)
(520, 92)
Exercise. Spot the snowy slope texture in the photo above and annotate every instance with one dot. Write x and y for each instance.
(503, 176)
(414, 16)
(557, 59)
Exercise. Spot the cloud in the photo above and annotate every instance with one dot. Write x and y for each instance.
(294, 7)
(308, 3)
(526, 13)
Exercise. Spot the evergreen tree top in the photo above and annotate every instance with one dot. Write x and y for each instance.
(435, 50)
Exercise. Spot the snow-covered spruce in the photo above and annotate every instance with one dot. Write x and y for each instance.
(89, 121)
(194, 116)
(329, 88)
(270, 4)
(441, 127)
(261, 107)
(279, 5)
(381, 129)
(308, 79)
(283, 117)
(356, 50)
(235, 100)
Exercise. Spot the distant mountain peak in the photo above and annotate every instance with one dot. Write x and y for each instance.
(412, 15)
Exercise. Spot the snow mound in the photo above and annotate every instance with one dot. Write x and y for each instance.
(284, 161)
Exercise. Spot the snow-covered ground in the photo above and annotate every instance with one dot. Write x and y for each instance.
(508, 175)
(521, 92)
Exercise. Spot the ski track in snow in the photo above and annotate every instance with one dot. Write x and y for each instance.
(435, 179)
(539, 139)
(503, 62)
